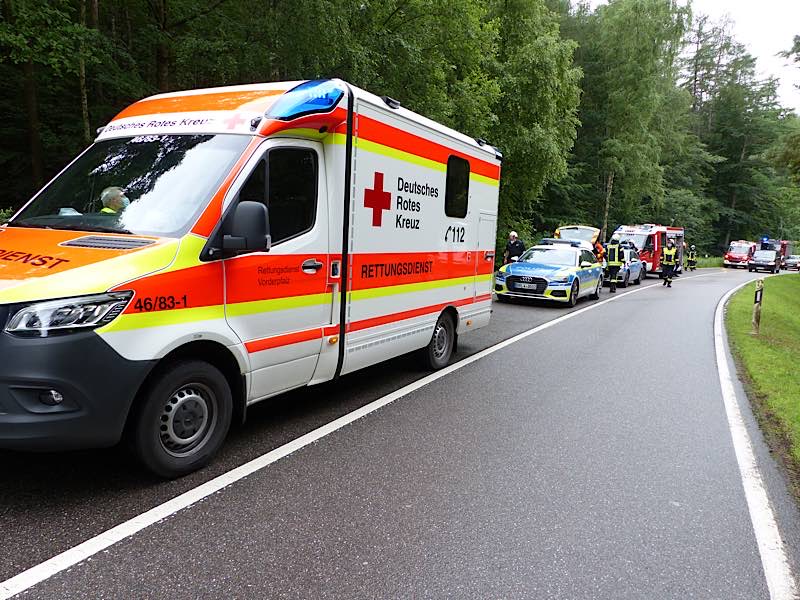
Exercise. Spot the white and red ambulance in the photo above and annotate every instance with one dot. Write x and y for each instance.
(216, 247)
(649, 239)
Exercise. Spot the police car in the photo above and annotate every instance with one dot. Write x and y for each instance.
(551, 271)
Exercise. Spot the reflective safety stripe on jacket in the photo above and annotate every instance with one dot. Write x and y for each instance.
(668, 257)
(614, 255)
(692, 255)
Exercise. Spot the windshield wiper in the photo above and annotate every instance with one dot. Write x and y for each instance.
(28, 225)
(98, 228)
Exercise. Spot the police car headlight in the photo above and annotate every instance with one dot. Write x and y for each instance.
(500, 276)
(66, 315)
(564, 279)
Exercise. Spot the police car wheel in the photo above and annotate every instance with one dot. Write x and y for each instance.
(596, 294)
(624, 283)
(639, 278)
(183, 418)
(439, 350)
(573, 293)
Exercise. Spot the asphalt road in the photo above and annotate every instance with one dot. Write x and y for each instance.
(589, 460)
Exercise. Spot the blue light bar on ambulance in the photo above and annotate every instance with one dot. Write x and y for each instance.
(318, 96)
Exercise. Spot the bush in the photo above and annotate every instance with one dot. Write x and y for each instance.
(5, 213)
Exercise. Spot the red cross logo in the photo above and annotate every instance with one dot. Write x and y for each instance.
(234, 121)
(377, 199)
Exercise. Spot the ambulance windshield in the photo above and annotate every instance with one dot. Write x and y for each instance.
(147, 185)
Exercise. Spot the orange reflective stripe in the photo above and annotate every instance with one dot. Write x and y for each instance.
(388, 269)
(316, 333)
(381, 133)
(410, 314)
(230, 100)
(194, 287)
(284, 340)
(213, 212)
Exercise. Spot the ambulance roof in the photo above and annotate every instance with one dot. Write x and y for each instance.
(233, 109)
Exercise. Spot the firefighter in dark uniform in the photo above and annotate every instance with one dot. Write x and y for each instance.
(691, 258)
(668, 258)
(614, 259)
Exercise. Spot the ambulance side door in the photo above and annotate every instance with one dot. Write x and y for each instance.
(278, 301)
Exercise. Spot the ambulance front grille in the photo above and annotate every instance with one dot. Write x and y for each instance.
(109, 243)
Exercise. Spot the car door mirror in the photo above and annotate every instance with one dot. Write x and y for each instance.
(586, 264)
(514, 258)
(248, 229)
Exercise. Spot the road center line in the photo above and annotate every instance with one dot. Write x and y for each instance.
(71, 557)
(780, 581)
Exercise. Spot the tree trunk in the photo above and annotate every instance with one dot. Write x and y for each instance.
(162, 48)
(609, 188)
(34, 128)
(733, 197)
(94, 22)
(87, 135)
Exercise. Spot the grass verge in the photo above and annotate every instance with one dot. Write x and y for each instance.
(769, 363)
(711, 261)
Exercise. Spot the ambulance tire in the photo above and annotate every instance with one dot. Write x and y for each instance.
(436, 355)
(573, 294)
(198, 392)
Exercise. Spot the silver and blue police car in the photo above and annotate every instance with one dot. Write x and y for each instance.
(563, 272)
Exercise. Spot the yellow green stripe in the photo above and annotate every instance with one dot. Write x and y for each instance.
(390, 152)
(242, 309)
(408, 288)
(163, 318)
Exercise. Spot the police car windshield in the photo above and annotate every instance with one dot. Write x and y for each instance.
(764, 255)
(147, 185)
(550, 256)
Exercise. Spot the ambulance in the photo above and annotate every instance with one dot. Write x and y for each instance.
(649, 240)
(213, 248)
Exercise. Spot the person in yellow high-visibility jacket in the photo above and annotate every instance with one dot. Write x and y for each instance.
(615, 260)
(669, 257)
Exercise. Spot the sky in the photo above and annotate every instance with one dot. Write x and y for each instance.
(765, 27)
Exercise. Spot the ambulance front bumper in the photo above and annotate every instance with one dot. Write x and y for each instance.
(64, 392)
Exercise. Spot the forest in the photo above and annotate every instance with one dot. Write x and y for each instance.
(638, 111)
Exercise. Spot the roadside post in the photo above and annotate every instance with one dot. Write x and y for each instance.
(757, 306)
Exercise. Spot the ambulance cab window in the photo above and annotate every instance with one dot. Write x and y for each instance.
(289, 189)
(457, 190)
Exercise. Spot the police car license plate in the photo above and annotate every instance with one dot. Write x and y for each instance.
(527, 286)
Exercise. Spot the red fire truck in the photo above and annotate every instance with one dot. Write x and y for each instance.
(738, 254)
(649, 239)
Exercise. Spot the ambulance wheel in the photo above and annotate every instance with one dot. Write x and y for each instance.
(183, 419)
(573, 294)
(439, 350)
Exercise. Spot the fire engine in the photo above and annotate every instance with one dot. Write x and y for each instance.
(649, 239)
(738, 254)
(216, 247)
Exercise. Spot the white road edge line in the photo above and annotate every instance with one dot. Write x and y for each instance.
(69, 558)
(777, 571)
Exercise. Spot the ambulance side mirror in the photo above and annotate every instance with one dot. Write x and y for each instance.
(248, 228)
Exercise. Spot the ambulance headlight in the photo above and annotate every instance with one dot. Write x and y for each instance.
(66, 315)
